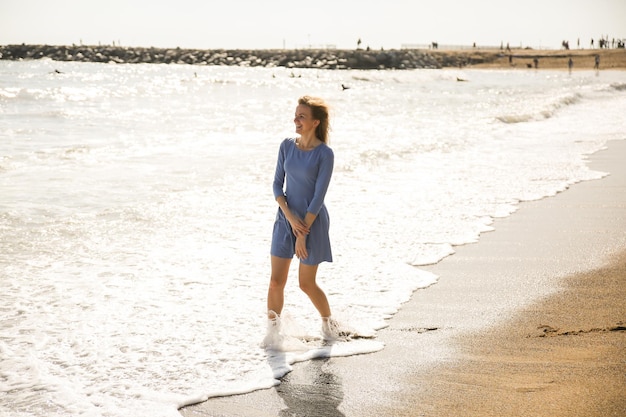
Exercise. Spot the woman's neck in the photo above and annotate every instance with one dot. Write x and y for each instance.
(307, 143)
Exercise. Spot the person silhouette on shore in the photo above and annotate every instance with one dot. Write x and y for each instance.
(597, 62)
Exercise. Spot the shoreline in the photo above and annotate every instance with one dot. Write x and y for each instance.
(332, 59)
(528, 321)
(562, 354)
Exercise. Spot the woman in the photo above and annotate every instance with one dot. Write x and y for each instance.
(303, 172)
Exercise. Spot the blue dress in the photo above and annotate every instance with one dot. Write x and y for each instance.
(305, 176)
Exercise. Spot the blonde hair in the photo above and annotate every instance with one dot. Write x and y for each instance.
(320, 111)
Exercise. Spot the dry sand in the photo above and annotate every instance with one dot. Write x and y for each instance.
(530, 321)
(582, 59)
(564, 356)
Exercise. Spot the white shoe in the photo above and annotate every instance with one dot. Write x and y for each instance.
(273, 338)
(331, 330)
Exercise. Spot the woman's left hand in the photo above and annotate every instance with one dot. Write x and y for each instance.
(301, 251)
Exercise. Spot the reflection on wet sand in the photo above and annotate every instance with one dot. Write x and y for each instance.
(317, 392)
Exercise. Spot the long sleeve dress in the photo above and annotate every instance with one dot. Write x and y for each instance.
(303, 178)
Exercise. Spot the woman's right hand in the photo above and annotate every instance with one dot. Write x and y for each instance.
(298, 226)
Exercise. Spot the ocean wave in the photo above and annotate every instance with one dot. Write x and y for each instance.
(619, 86)
(515, 118)
(546, 113)
(26, 95)
(568, 100)
(9, 93)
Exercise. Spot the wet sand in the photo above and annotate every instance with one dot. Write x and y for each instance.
(529, 321)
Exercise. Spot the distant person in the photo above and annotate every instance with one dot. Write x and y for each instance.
(303, 172)
(597, 62)
(570, 64)
(536, 63)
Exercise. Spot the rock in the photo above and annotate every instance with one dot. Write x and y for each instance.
(295, 58)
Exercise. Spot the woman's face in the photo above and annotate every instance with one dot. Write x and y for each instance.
(305, 124)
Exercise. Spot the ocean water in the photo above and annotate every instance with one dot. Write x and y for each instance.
(136, 211)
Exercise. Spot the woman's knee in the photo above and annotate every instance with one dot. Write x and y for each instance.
(308, 287)
(277, 284)
(280, 272)
(306, 278)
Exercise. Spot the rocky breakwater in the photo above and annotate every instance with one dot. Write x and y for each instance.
(290, 58)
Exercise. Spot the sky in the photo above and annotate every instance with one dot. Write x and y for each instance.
(275, 24)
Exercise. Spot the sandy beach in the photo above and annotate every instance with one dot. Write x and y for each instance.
(529, 321)
(562, 355)
(517, 58)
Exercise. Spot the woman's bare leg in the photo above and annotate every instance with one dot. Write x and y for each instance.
(278, 280)
(306, 278)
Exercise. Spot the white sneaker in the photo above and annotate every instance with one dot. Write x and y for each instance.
(273, 338)
(331, 330)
